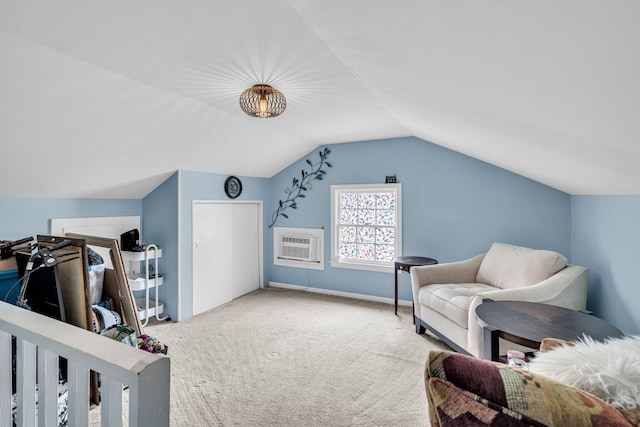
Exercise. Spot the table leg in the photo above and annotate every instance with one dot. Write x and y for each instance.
(413, 312)
(490, 347)
(396, 299)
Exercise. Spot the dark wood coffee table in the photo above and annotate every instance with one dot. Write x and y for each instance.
(528, 323)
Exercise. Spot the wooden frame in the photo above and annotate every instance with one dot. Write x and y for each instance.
(74, 283)
(74, 280)
(116, 284)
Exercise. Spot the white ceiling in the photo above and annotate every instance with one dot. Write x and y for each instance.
(108, 98)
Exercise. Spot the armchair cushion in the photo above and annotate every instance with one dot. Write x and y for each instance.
(452, 300)
(463, 390)
(507, 266)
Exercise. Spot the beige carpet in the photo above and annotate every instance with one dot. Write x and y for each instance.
(289, 358)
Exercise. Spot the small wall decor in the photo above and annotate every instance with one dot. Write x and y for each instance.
(302, 184)
(232, 187)
(390, 179)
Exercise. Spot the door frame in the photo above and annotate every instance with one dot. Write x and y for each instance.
(259, 203)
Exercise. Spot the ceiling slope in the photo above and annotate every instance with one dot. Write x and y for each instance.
(548, 89)
(110, 98)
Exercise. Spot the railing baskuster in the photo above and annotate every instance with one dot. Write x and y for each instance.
(39, 342)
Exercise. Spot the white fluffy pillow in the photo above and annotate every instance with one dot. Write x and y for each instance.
(609, 370)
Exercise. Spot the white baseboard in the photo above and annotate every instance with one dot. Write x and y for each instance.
(340, 293)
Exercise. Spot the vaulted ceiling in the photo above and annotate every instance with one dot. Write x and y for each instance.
(108, 98)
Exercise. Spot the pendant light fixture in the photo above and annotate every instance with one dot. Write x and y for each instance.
(262, 101)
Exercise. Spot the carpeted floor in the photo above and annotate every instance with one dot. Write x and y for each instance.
(289, 358)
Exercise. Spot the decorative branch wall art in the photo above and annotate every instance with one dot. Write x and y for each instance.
(301, 184)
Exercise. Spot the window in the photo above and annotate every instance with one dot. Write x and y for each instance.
(366, 226)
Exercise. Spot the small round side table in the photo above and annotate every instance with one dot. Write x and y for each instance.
(404, 263)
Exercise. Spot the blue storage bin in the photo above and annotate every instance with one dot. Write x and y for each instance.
(8, 278)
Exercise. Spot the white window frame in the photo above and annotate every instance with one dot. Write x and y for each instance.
(383, 266)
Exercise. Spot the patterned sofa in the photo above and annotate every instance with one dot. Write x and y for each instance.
(465, 391)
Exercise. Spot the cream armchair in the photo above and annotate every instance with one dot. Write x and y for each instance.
(446, 295)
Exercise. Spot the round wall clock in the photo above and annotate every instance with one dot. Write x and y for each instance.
(232, 187)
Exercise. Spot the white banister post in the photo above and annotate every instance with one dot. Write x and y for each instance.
(78, 381)
(148, 375)
(150, 397)
(26, 382)
(110, 401)
(5, 379)
(47, 388)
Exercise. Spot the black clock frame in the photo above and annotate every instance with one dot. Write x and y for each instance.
(228, 187)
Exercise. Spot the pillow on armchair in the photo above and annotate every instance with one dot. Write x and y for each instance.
(507, 266)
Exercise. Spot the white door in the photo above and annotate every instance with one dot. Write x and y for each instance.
(246, 256)
(211, 255)
(226, 252)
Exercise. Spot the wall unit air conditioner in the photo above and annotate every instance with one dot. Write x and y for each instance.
(298, 247)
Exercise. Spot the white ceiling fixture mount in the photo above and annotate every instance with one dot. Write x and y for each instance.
(263, 101)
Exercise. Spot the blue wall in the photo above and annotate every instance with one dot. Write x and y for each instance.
(604, 237)
(28, 217)
(206, 186)
(160, 227)
(22, 217)
(454, 207)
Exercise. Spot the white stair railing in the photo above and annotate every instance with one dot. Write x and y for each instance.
(39, 342)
